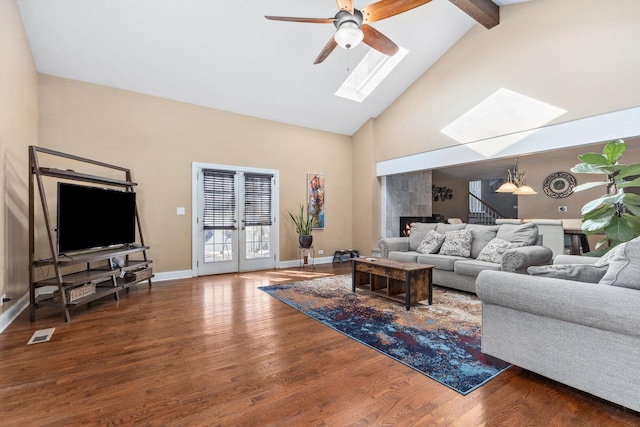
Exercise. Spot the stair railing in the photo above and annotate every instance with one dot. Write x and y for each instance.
(480, 212)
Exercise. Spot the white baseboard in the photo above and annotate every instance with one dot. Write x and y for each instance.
(296, 262)
(172, 275)
(13, 310)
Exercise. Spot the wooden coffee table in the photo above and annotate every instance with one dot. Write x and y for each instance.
(399, 281)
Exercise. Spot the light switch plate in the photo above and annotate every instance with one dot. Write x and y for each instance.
(180, 211)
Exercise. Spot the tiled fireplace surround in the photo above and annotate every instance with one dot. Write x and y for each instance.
(405, 195)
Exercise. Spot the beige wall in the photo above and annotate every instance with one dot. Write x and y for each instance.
(458, 206)
(579, 55)
(158, 140)
(18, 130)
(538, 167)
(366, 191)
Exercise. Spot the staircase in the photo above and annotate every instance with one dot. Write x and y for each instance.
(480, 212)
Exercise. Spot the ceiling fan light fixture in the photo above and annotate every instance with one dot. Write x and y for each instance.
(349, 35)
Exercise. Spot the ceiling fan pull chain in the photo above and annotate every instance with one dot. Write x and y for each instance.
(348, 60)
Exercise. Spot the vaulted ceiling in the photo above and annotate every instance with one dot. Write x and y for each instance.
(226, 55)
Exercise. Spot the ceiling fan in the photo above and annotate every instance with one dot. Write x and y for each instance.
(353, 25)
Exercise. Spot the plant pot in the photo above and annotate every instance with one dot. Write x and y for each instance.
(305, 240)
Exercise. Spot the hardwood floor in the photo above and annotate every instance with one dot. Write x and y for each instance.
(217, 351)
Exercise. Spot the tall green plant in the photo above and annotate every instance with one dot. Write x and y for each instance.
(302, 220)
(616, 214)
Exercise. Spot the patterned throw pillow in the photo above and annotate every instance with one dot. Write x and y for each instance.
(431, 242)
(457, 243)
(494, 250)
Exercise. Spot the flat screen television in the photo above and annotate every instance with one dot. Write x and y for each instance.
(92, 217)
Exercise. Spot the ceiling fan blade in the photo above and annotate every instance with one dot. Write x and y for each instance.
(309, 20)
(386, 8)
(378, 41)
(345, 5)
(326, 51)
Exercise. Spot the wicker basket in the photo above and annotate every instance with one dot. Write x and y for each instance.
(138, 275)
(75, 293)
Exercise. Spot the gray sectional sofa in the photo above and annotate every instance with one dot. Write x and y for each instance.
(509, 247)
(576, 322)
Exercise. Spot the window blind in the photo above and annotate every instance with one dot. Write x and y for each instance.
(257, 196)
(219, 200)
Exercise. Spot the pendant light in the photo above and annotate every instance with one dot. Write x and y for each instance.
(516, 183)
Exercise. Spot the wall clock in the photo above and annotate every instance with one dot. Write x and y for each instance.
(559, 185)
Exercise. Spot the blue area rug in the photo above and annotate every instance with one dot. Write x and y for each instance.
(441, 341)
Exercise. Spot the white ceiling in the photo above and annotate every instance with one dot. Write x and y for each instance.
(226, 55)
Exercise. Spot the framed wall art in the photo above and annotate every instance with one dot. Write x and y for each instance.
(559, 185)
(316, 186)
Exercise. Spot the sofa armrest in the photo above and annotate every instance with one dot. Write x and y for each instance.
(610, 308)
(575, 259)
(517, 260)
(388, 244)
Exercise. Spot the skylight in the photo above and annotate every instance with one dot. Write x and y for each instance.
(368, 74)
(504, 113)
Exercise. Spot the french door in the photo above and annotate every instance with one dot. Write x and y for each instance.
(235, 227)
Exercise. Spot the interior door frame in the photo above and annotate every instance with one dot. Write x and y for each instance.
(195, 229)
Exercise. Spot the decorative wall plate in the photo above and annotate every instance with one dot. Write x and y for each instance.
(559, 185)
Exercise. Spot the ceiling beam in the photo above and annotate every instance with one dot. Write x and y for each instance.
(485, 12)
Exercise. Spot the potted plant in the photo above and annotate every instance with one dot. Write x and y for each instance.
(302, 221)
(616, 214)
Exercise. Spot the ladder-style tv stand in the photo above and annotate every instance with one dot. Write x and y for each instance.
(80, 277)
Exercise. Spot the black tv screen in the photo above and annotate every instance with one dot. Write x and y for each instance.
(92, 217)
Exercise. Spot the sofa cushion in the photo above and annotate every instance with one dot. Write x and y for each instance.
(441, 262)
(431, 243)
(418, 231)
(410, 256)
(624, 266)
(456, 243)
(589, 273)
(525, 234)
(481, 235)
(443, 228)
(473, 267)
(494, 250)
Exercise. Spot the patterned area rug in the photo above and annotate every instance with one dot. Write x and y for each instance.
(441, 341)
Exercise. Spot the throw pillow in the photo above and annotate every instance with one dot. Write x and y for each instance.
(456, 243)
(418, 231)
(494, 250)
(624, 266)
(482, 234)
(431, 243)
(525, 234)
(589, 273)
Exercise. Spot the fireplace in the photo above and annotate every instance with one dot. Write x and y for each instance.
(405, 222)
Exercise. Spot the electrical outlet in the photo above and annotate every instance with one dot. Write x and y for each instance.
(320, 252)
(562, 209)
(180, 211)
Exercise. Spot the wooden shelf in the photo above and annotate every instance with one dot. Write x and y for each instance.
(99, 269)
(47, 299)
(78, 278)
(91, 256)
(125, 285)
(76, 176)
(129, 265)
